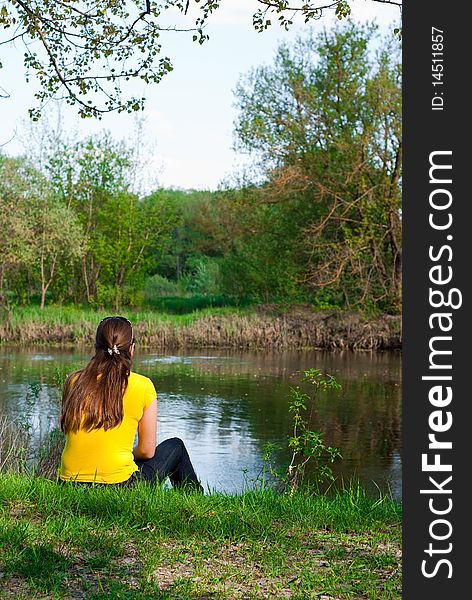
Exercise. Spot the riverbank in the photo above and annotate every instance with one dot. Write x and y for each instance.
(68, 541)
(256, 327)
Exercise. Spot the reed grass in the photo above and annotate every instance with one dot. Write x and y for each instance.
(256, 327)
(14, 446)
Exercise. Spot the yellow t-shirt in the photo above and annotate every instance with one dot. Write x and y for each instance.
(107, 456)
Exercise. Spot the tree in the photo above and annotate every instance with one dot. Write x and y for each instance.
(15, 232)
(260, 260)
(88, 176)
(38, 232)
(82, 50)
(325, 123)
(57, 238)
(198, 235)
(93, 178)
(129, 233)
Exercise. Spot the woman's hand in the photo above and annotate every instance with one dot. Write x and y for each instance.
(147, 429)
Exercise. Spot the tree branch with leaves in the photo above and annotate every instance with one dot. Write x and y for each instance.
(84, 51)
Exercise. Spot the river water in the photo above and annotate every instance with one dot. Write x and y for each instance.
(226, 405)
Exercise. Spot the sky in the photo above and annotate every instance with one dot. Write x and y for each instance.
(187, 125)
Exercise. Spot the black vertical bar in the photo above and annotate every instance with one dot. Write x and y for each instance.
(436, 118)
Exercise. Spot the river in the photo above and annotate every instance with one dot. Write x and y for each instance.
(226, 405)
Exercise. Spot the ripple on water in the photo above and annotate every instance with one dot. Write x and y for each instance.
(167, 360)
(183, 360)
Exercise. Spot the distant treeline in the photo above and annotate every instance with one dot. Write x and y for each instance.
(318, 220)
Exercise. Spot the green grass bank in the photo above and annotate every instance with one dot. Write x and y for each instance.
(72, 541)
(251, 327)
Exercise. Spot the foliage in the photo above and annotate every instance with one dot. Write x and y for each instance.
(79, 50)
(321, 225)
(16, 185)
(205, 276)
(38, 232)
(57, 239)
(324, 122)
(261, 261)
(76, 227)
(182, 305)
(197, 238)
(158, 286)
(306, 446)
(94, 177)
(85, 51)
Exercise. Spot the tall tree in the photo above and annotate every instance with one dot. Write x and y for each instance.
(38, 232)
(57, 239)
(93, 178)
(88, 176)
(130, 232)
(325, 123)
(16, 178)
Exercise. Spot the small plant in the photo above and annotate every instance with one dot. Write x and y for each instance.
(305, 445)
(62, 372)
(14, 445)
(49, 455)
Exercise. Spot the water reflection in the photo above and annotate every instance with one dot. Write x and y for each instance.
(227, 405)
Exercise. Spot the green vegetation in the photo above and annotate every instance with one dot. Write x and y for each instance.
(317, 227)
(58, 541)
(324, 122)
(114, 42)
(71, 323)
(305, 445)
(255, 327)
(71, 315)
(318, 223)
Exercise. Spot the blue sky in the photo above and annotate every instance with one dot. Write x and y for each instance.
(188, 120)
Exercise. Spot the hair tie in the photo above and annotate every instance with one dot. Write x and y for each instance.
(114, 349)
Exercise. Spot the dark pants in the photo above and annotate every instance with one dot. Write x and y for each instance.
(171, 460)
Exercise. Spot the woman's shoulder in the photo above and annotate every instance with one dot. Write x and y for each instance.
(141, 387)
(136, 379)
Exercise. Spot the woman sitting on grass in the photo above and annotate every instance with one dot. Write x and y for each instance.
(103, 406)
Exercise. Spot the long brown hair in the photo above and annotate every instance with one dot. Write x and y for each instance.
(93, 397)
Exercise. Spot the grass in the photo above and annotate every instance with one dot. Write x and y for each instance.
(254, 327)
(187, 304)
(76, 316)
(72, 541)
(14, 445)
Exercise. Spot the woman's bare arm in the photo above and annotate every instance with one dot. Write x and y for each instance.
(147, 429)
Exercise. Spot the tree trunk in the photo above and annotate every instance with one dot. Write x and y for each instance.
(43, 283)
(87, 288)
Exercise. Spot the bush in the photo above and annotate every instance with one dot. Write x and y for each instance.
(158, 286)
(204, 276)
(181, 305)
